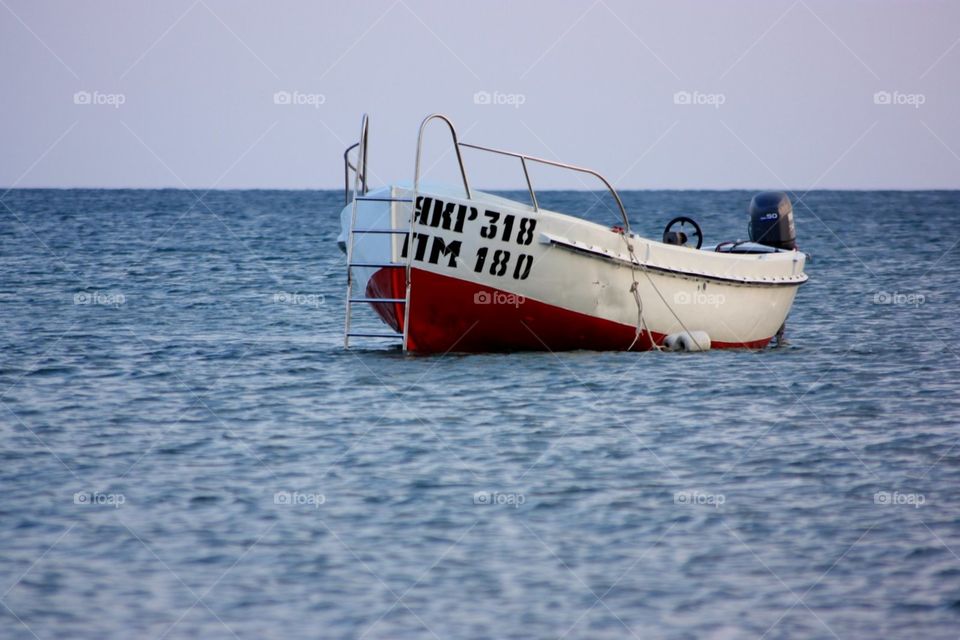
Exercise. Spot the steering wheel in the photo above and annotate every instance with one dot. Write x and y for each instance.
(669, 236)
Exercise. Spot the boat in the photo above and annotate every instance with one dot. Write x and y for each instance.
(454, 269)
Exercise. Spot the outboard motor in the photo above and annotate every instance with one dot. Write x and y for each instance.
(771, 220)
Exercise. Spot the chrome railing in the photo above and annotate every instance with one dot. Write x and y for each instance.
(524, 159)
(361, 168)
(456, 146)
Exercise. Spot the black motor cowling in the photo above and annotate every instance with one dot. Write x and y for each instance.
(771, 220)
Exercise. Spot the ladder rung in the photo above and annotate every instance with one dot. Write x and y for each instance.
(394, 265)
(371, 334)
(384, 199)
(397, 300)
(381, 231)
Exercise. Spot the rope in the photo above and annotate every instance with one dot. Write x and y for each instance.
(634, 289)
(641, 323)
(636, 295)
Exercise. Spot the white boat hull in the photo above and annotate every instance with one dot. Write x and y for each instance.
(490, 274)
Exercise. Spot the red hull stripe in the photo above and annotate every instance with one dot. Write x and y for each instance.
(450, 314)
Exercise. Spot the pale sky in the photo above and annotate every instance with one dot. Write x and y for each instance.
(705, 94)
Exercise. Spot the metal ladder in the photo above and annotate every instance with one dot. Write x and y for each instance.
(359, 195)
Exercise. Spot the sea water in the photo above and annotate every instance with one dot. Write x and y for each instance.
(188, 451)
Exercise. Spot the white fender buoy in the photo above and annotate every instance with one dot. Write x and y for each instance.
(684, 341)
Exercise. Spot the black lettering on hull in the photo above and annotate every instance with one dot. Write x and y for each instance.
(441, 248)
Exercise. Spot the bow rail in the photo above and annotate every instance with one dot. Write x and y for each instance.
(360, 169)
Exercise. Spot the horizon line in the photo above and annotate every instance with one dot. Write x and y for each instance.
(7, 189)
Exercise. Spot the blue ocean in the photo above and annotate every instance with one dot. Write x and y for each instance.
(189, 452)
